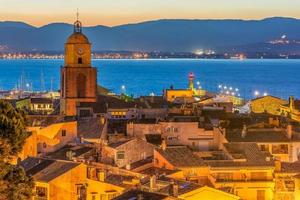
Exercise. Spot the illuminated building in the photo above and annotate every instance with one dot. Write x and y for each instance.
(267, 104)
(78, 78)
(56, 180)
(240, 169)
(54, 136)
(283, 144)
(287, 181)
(292, 109)
(171, 94)
(36, 105)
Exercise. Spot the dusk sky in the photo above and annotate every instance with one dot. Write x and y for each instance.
(115, 12)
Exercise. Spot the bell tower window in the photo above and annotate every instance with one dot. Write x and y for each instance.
(80, 60)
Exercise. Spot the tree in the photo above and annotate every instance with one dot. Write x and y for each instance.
(14, 184)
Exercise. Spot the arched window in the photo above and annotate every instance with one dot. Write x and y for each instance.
(81, 85)
(79, 60)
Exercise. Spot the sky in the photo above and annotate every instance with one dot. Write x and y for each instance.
(116, 12)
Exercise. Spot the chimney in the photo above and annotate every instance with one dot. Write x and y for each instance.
(289, 131)
(277, 165)
(163, 144)
(244, 131)
(292, 102)
(152, 183)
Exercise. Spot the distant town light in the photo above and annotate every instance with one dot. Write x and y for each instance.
(256, 93)
(225, 87)
(198, 82)
(220, 86)
(123, 87)
(230, 88)
(199, 52)
(236, 89)
(265, 94)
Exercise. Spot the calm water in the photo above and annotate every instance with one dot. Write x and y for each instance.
(142, 77)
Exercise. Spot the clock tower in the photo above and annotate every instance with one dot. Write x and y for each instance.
(78, 77)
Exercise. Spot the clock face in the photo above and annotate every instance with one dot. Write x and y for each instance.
(80, 51)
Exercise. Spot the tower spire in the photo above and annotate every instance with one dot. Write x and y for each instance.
(77, 24)
(77, 15)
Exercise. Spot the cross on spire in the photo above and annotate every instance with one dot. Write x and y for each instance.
(77, 15)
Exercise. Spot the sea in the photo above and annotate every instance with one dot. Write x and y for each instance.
(247, 78)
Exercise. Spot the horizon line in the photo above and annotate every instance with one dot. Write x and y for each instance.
(153, 20)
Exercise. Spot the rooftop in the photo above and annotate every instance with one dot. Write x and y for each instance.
(45, 170)
(180, 156)
(77, 38)
(77, 151)
(41, 100)
(259, 135)
(105, 102)
(290, 167)
(135, 194)
(119, 143)
(242, 155)
(90, 128)
(183, 186)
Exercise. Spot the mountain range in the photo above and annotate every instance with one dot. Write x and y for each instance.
(169, 35)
